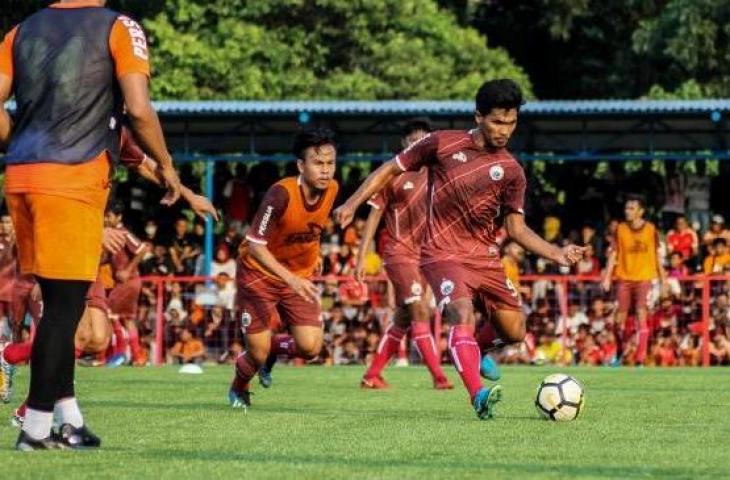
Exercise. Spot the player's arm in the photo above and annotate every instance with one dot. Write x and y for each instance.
(522, 234)
(608, 272)
(660, 265)
(412, 158)
(376, 213)
(128, 48)
(375, 182)
(6, 123)
(133, 157)
(148, 131)
(302, 286)
(267, 216)
(6, 85)
(124, 274)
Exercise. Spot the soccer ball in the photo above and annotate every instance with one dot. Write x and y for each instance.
(559, 398)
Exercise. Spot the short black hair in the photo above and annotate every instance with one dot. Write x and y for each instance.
(719, 241)
(502, 93)
(635, 197)
(117, 208)
(315, 137)
(417, 124)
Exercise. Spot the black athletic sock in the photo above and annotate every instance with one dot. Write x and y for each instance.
(52, 358)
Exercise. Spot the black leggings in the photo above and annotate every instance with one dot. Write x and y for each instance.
(53, 356)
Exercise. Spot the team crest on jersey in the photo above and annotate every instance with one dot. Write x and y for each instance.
(408, 185)
(459, 157)
(416, 289)
(496, 173)
(447, 287)
(245, 320)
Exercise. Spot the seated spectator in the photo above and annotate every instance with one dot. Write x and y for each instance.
(664, 352)
(348, 354)
(666, 316)
(589, 264)
(512, 260)
(158, 264)
(223, 262)
(576, 318)
(717, 230)
(609, 348)
(183, 249)
(550, 350)
(683, 239)
(719, 258)
(599, 316)
(690, 354)
(188, 349)
(591, 353)
(719, 349)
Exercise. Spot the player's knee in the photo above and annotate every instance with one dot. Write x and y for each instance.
(310, 348)
(458, 314)
(259, 355)
(516, 333)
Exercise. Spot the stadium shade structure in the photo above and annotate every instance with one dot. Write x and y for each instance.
(588, 130)
(566, 130)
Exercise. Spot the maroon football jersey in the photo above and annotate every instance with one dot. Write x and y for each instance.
(405, 209)
(471, 189)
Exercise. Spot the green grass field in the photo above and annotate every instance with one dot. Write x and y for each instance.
(316, 423)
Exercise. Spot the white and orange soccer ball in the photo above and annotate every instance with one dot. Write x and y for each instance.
(560, 398)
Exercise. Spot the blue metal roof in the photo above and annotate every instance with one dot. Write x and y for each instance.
(430, 107)
(434, 107)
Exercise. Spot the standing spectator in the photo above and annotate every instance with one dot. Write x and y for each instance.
(674, 196)
(239, 198)
(183, 249)
(697, 191)
(719, 259)
(188, 349)
(683, 239)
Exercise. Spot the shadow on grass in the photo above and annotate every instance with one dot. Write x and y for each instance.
(450, 468)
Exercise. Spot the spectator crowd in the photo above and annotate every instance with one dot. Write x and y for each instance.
(579, 202)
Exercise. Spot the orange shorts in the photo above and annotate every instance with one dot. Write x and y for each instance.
(57, 237)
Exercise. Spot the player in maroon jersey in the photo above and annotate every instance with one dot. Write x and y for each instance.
(476, 186)
(403, 204)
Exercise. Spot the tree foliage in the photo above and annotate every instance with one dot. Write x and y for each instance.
(595, 48)
(319, 49)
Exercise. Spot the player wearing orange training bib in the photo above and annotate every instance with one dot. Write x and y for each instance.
(71, 69)
(282, 254)
(635, 262)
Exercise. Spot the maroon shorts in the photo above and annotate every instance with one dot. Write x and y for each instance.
(260, 299)
(486, 287)
(632, 293)
(96, 296)
(124, 298)
(408, 282)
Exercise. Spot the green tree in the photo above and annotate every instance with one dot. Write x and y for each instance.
(689, 42)
(319, 49)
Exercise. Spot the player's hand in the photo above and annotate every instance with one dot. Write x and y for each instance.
(113, 240)
(171, 182)
(306, 289)
(202, 206)
(606, 284)
(35, 293)
(343, 215)
(570, 254)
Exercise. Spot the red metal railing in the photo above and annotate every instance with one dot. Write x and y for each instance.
(562, 284)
